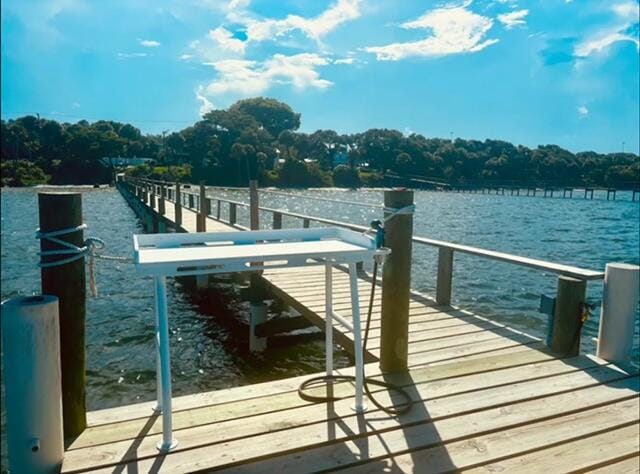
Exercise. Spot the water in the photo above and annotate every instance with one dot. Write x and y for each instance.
(209, 346)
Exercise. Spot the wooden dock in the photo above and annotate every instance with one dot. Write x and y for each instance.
(486, 398)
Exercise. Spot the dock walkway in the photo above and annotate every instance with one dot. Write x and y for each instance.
(487, 399)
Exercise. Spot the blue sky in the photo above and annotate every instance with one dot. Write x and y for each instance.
(531, 72)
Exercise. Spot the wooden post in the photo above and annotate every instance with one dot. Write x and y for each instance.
(445, 276)
(217, 209)
(254, 205)
(63, 211)
(163, 192)
(565, 336)
(394, 341)
(277, 220)
(232, 213)
(152, 197)
(201, 222)
(190, 202)
(178, 206)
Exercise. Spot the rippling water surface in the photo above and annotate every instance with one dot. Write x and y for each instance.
(209, 347)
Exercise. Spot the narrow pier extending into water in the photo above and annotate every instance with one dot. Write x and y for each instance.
(486, 397)
(514, 188)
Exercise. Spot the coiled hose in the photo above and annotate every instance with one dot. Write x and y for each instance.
(324, 379)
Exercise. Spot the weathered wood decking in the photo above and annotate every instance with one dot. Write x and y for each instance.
(487, 398)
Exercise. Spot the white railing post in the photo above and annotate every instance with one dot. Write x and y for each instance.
(619, 309)
(167, 443)
(328, 313)
(359, 406)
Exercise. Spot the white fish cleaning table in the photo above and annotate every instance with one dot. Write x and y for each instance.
(182, 254)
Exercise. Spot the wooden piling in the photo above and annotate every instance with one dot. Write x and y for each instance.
(152, 196)
(233, 213)
(59, 211)
(394, 339)
(565, 337)
(178, 206)
(277, 220)
(445, 276)
(203, 212)
(254, 205)
(161, 199)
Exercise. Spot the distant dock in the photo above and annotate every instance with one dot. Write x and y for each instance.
(512, 188)
(486, 397)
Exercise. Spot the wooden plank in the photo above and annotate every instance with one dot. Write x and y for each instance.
(312, 419)
(470, 452)
(630, 465)
(280, 325)
(603, 449)
(387, 434)
(271, 402)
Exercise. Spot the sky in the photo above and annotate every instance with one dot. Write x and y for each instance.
(532, 72)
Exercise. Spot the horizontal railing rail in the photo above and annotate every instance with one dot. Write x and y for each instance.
(444, 247)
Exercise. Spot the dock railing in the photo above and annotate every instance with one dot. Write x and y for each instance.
(572, 280)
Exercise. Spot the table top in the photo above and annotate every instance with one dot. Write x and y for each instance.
(225, 252)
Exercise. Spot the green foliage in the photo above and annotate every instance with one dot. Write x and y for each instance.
(248, 139)
(298, 174)
(347, 177)
(180, 173)
(22, 173)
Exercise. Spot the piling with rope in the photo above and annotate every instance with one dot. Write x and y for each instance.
(63, 275)
(394, 325)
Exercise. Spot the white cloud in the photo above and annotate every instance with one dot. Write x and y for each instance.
(149, 43)
(75, 105)
(344, 61)
(583, 111)
(131, 55)
(246, 78)
(340, 12)
(626, 16)
(207, 105)
(186, 57)
(601, 43)
(225, 40)
(513, 19)
(453, 31)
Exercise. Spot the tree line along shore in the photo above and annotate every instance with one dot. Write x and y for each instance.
(259, 136)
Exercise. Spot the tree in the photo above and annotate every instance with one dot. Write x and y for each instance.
(271, 114)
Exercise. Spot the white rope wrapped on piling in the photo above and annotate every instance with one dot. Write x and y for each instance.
(90, 248)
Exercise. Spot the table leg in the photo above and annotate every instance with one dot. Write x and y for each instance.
(167, 443)
(357, 338)
(158, 407)
(328, 306)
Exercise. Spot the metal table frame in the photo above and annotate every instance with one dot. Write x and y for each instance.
(182, 254)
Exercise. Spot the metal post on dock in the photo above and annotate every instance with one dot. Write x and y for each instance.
(178, 206)
(31, 350)
(567, 321)
(621, 292)
(57, 212)
(394, 326)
